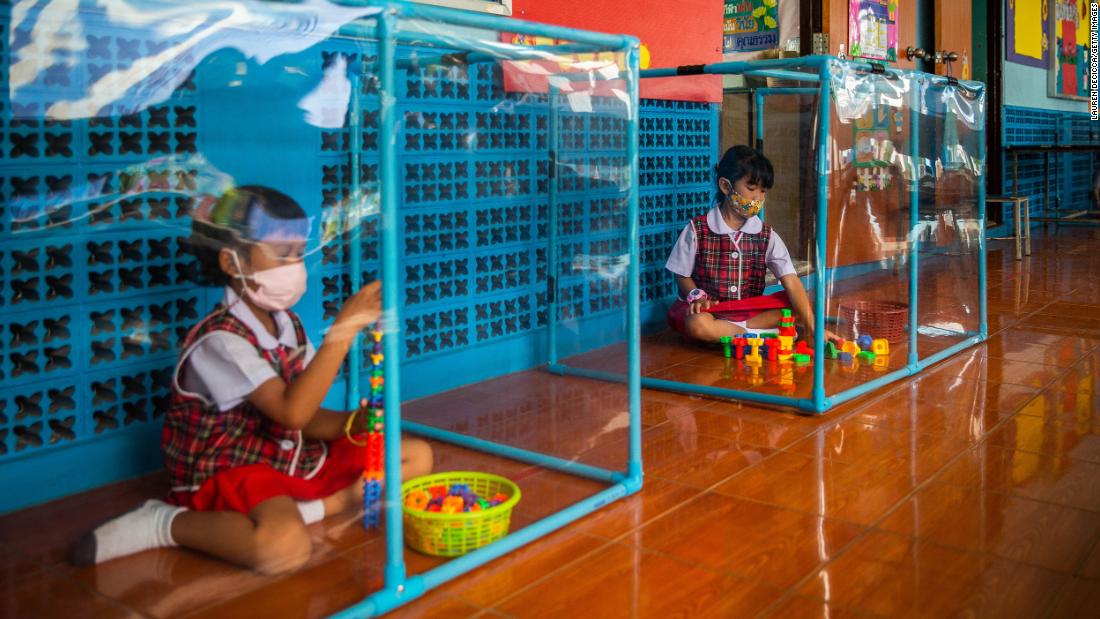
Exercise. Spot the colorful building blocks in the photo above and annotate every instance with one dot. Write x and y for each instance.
(845, 357)
(867, 356)
(453, 505)
(786, 324)
(801, 358)
(739, 347)
(754, 343)
(802, 348)
(417, 499)
(726, 341)
(372, 503)
(830, 350)
(880, 346)
(864, 342)
(373, 468)
(786, 344)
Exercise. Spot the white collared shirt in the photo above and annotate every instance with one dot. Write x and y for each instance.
(224, 367)
(682, 259)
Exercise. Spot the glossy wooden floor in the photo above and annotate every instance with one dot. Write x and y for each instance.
(973, 489)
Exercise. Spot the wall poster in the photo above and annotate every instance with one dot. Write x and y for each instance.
(1070, 28)
(750, 25)
(1026, 33)
(873, 29)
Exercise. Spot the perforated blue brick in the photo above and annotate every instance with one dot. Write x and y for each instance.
(657, 131)
(448, 83)
(657, 284)
(38, 416)
(591, 131)
(133, 331)
(591, 173)
(336, 179)
(158, 130)
(607, 214)
(42, 344)
(435, 231)
(440, 130)
(431, 182)
(119, 265)
(428, 282)
(137, 395)
(436, 331)
(570, 301)
(654, 247)
(32, 138)
(335, 287)
(657, 208)
(508, 270)
(36, 199)
(692, 203)
(693, 132)
(107, 53)
(505, 225)
(657, 171)
(39, 272)
(504, 316)
(507, 128)
(336, 246)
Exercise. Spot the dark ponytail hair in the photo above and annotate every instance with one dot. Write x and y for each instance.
(744, 162)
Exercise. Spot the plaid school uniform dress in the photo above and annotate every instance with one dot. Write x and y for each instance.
(238, 458)
(199, 441)
(732, 274)
(727, 271)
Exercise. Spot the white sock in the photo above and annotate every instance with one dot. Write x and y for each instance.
(149, 526)
(312, 511)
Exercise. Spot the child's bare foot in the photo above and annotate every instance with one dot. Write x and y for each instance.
(345, 500)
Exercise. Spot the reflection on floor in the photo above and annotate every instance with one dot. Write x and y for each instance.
(973, 488)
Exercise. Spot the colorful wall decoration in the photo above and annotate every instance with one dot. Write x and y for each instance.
(1070, 28)
(873, 148)
(750, 25)
(873, 29)
(1026, 39)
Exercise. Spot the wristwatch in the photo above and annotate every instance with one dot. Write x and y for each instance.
(696, 294)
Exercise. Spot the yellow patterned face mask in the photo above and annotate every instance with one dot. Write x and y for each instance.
(743, 206)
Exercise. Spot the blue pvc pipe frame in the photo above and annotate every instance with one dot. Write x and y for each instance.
(400, 588)
(814, 70)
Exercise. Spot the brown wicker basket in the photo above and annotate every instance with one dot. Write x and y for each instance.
(879, 319)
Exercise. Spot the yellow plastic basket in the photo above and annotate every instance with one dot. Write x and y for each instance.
(453, 535)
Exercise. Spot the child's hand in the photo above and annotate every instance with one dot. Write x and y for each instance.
(829, 336)
(700, 306)
(359, 312)
(361, 424)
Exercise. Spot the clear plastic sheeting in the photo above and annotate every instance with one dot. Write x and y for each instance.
(482, 168)
(878, 184)
(904, 230)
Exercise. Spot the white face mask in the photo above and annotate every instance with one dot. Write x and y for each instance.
(277, 288)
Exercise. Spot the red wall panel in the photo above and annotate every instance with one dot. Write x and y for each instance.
(676, 33)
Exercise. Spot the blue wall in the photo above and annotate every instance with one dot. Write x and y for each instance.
(1070, 174)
